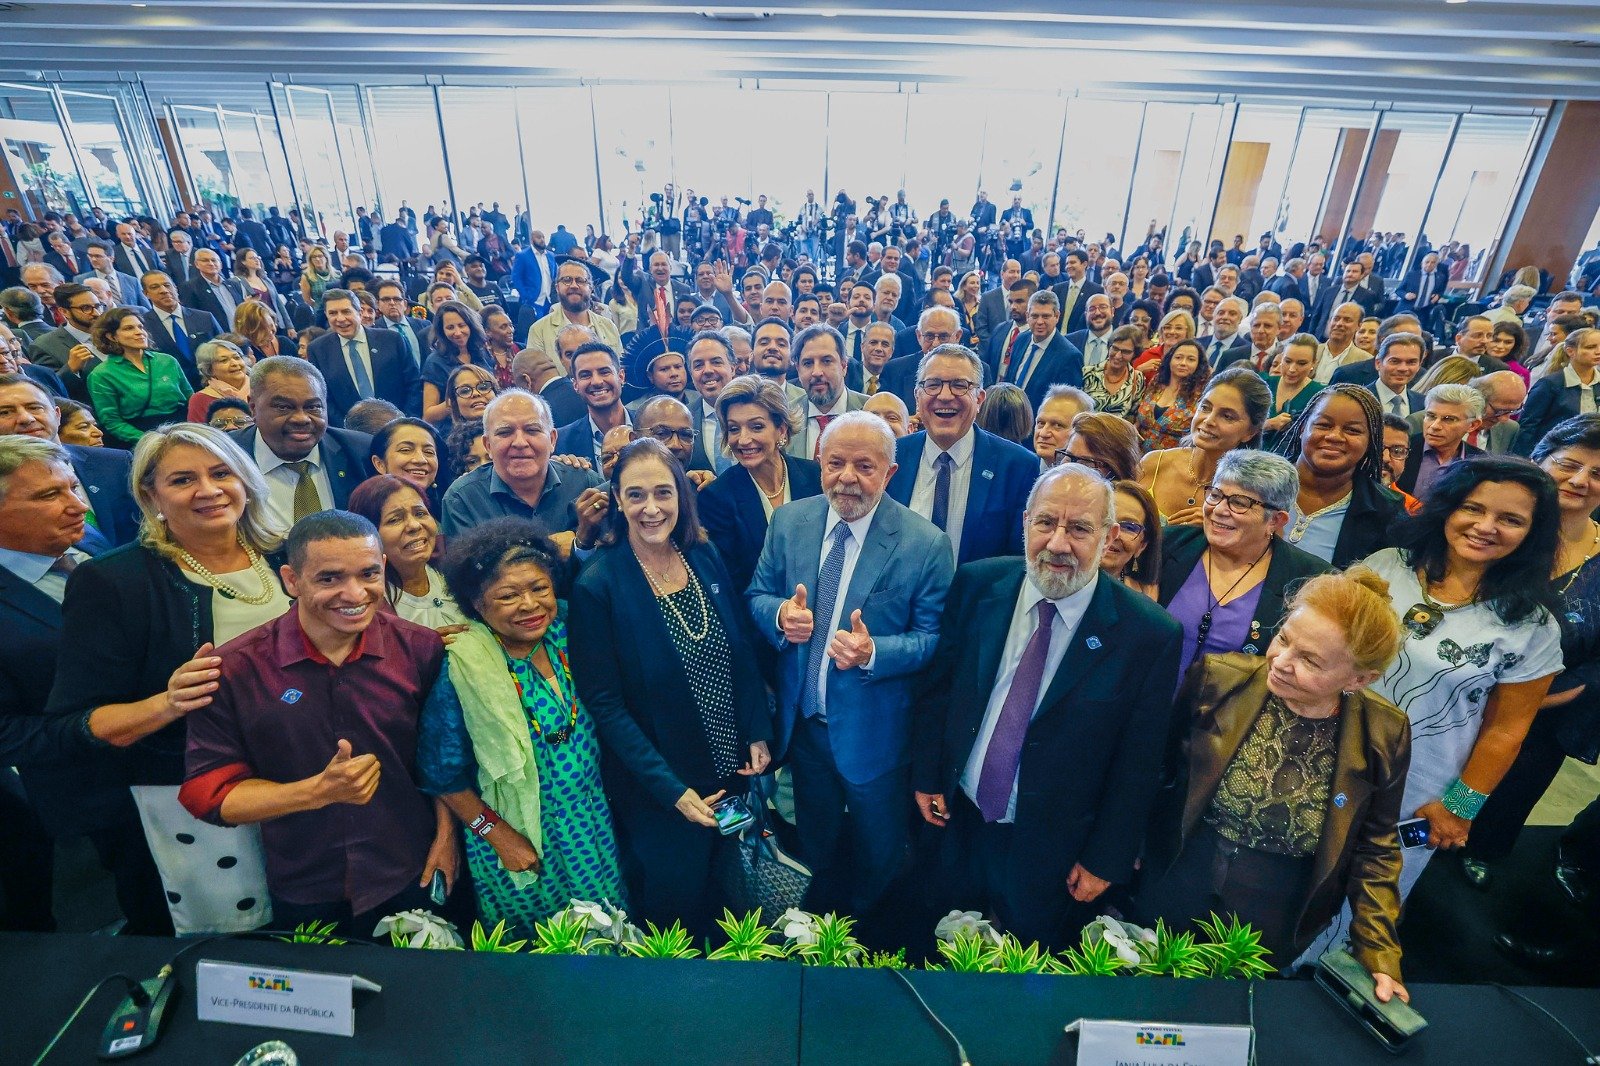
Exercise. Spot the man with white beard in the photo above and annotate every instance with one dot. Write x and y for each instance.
(1036, 654)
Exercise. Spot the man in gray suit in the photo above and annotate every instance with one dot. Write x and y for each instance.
(1504, 392)
(68, 350)
(125, 290)
(849, 589)
(820, 364)
(992, 310)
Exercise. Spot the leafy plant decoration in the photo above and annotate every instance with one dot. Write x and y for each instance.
(673, 942)
(748, 939)
(1172, 955)
(316, 933)
(495, 939)
(1233, 949)
(835, 943)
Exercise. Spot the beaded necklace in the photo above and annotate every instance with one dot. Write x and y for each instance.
(562, 735)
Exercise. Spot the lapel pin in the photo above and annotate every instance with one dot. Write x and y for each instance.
(291, 695)
(1093, 643)
(989, 474)
(716, 590)
(1340, 800)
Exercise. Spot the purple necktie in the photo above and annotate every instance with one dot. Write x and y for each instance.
(1005, 743)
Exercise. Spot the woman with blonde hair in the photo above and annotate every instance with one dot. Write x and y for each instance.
(1294, 774)
(1451, 370)
(258, 324)
(1175, 326)
(316, 277)
(203, 571)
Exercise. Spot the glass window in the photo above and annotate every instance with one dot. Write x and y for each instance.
(1252, 199)
(712, 142)
(36, 148)
(558, 156)
(206, 155)
(1159, 180)
(1322, 178)
(480, 129)
(103, 146)
(249, 162)
(1196, 196)
(1476, 189)
(867, 145)
(942, 129)
(276, 163)
(320, 162)
(1092, 194)
(348, 121)
(783, 167)
(1400, 178)
(406, 147)
(635, 151)
(1021, 143)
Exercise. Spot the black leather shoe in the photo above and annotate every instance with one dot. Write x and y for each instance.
(1533, 955)
(1575, 881)
(1476, 872)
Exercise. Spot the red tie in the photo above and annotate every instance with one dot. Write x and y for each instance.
(822, 424)
(661, 310)
(1005, 354)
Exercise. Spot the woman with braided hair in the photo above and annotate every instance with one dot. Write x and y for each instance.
(1343, 511)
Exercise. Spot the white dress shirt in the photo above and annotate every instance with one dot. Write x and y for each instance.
(852, 552)
(1586, 404)
(363, 352)
(35, 570)
(960, 481)
(1070, 611)
(281, 480)
(810, 432)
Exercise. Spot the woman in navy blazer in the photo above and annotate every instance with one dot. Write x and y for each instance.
(1557, 397)
(660, 648)
(735, 508)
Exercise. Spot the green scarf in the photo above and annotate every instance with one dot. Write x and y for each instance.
(508, 775)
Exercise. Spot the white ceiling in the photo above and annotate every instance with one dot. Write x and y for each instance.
(1519, 53)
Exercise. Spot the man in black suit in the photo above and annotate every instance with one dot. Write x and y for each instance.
(60, 254)
(359, 363)
(131, 255)
(212, 291)
(1389, 374)
(309, 466)
(1073, 294)
(1227, 343)
(175, 329)
(396, 239)
(175, 260)
(657, 292)
(1043, 357)
(983, 217)
(416, 336)
(1017, 223)
(1349, 290)
(1205, 275)
(41, 519)
(992, 305)
(1451, 413)
(1007, 342)
(1288, 284)
(1423, 289)
(540, 373)
(598, 377)
(254, 234)
(1031, 746)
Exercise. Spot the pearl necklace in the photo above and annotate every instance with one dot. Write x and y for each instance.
(228, 591)
(783, 479)
(1593, 549)
(700, 596)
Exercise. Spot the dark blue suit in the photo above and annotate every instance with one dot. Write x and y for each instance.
(1060, 363)
(859, 757)
(395, 375)
(1002, 476)
(575, 438)
(730, 509)
(105, 474)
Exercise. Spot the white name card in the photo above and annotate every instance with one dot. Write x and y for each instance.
(278, 999)
(1109, 1043)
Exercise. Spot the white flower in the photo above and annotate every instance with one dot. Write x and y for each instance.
(798, 925)
(422, 929)
(957, 924)
(593, 914)
(1123, 937)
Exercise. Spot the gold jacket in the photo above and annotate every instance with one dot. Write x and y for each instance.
(1358, 857)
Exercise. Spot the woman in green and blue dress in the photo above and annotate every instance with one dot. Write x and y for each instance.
(506, 742)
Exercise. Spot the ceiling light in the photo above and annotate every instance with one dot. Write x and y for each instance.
(735, 14)
(1455, 1)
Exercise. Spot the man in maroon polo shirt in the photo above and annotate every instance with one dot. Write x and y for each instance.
(312, 731)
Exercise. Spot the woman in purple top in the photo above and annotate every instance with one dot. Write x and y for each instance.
(1226, 580)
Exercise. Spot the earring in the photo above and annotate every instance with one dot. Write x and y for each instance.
(160, 517)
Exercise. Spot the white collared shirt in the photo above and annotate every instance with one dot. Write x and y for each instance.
(1070, 611)
(960, 481)
(1094, 348)
(281, 480)
(363, 351)
(1586, 404)
(35, 570)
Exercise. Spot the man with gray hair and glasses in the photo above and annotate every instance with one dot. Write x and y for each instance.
(1451, 414)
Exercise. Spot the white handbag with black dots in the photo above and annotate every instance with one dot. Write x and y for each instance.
(215, 876)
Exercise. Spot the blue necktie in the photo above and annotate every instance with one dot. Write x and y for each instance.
(822, 621)
(180, 336)
(941, 490)
(359, 371)
(404, 329)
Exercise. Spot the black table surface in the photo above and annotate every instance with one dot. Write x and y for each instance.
(493, 1010)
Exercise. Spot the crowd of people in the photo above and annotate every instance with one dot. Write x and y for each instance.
(343, 580)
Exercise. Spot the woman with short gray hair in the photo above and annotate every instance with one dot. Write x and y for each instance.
(225, 369)
(1226, 580)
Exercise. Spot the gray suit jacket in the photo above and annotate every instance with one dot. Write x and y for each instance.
(132, 294)
(854, 401)
(1501, 435)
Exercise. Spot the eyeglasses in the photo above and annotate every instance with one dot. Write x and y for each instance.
(1099, 466)
(667, 433)
(1397, 451)
(1077, 529)
(482, 388)
(1131, 528)
(1237, 502)
(957, 387)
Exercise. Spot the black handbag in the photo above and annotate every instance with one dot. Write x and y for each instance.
(753, 870)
